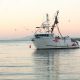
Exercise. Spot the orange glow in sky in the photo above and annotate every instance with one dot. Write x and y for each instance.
(18, 18)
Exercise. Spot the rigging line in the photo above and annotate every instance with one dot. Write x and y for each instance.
(59, 30)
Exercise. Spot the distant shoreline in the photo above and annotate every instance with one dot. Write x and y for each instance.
(30, 39)
(76, 39)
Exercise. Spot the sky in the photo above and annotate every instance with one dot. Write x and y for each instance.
(18, 18)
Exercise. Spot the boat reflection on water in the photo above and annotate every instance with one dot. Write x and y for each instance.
(57, 64)
(47, 64)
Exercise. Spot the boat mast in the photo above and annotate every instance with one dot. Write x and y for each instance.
(56, 24)
(47, 17)
(47, 20)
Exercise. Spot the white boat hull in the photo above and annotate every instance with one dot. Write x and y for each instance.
(51, 43)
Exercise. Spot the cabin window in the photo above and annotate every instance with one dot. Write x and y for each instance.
(41, 35)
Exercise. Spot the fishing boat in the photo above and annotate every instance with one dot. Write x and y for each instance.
(45, 38)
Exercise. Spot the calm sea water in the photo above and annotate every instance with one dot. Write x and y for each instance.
(19, 62)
